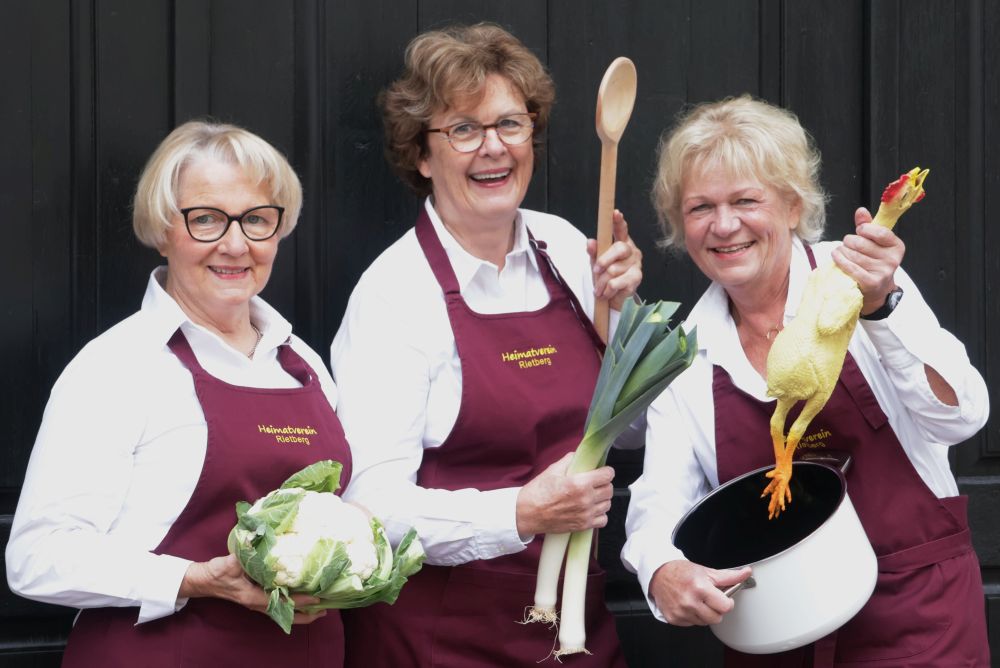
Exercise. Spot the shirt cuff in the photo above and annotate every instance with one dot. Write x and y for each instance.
(910, 338)
(159, 598)
(501, 539)
(906, 336)
(644, 562)
(883, 335)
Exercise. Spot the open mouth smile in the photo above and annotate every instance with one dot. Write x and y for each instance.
(230, 272)
(490, 177)
(725, 250)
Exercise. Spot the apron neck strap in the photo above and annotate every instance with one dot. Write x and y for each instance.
(290, 361)
(445, 274)
(810, 255)
(179, 346)
(556, 285)
(436, 255)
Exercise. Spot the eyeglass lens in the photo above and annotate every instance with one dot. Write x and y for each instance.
(208, 224)
(512, 130)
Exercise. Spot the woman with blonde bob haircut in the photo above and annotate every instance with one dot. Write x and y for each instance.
(158, 428)
(155, 202)
(738, 190)
(745, 137)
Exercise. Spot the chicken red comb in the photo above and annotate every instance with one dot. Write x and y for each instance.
(899, 196)
(898, 187)
(894, 188)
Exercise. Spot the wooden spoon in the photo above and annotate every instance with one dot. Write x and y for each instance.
(615, 99)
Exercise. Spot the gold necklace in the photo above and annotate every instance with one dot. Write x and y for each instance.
(770, 334)
(256, 343)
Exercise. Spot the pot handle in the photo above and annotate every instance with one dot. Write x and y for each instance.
(749, 583)
(838, 459)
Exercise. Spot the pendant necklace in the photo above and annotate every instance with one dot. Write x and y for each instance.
(770, 334)
(256, 343)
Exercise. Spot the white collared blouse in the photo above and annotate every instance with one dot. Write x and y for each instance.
(119, 453)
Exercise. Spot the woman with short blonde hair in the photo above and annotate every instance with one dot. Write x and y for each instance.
(155, 201)
(743, 136)
(738, 191)
(153, 433)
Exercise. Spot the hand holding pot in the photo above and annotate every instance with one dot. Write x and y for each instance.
(691, 595)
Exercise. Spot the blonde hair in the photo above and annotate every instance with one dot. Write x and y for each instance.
(442, 68)
(743, 137)
(155, 201)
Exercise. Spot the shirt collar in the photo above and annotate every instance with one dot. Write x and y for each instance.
(166, 316)
(799, 274)
(465, 264)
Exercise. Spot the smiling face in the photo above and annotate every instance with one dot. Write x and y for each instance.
(484, 187)
(213, 282)
(737, 230)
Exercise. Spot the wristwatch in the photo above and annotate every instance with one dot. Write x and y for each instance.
(883, 311)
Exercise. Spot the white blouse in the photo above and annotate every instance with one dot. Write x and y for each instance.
(400, 379)
(118, 455)
(680, 464)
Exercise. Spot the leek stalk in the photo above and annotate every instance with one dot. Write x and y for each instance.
(644, 356)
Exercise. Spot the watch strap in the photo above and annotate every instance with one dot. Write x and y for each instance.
(883, 311)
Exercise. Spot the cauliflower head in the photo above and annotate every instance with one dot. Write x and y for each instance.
(322, 517)
(302, 538)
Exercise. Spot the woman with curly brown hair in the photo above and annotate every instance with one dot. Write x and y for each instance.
(463, 423)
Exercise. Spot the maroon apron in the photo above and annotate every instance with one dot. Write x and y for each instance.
(927, 608)
(244, 459)
(527, 380)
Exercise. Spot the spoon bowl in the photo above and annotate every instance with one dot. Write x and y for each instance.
(615, 99)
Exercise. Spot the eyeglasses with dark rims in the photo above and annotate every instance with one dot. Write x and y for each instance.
(205, 223)
(468, 136)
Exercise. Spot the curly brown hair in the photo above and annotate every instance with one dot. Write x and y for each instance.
(443, 66)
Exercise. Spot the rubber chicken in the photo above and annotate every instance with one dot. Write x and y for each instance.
(805, 360)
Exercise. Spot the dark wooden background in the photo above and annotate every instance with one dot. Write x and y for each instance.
(90, 86)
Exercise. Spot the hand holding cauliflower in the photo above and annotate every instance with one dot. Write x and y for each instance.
(302, 538)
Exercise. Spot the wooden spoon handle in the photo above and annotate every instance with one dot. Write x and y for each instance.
(605, 209)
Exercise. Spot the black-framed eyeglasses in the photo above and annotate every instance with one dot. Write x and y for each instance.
(205, 223)
(468, 136)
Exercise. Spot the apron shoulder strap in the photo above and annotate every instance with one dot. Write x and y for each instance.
(810, 255)
(557, 286)
(290, 361)
(294, 365)
(854, 381)
(436, 255)
(180, 347)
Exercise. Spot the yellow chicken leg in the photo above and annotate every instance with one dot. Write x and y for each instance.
(781, 475)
